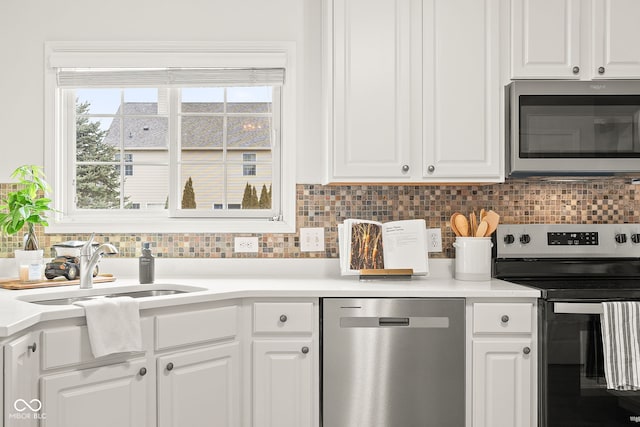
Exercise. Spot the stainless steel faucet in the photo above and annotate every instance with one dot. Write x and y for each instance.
(89, 258)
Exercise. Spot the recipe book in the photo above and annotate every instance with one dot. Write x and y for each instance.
(374, 245)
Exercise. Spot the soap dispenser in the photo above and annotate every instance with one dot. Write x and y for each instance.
(146, 264)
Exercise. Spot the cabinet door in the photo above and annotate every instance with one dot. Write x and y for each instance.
(616, 51)
(369, 71)
(545, 39)
(200, 387)
(113, 395)
(283, 385)
(461, 91)
(502, 383)
(22, 403)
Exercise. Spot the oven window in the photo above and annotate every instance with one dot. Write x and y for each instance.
(579, 126)
(574, 387)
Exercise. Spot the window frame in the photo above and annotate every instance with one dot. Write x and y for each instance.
(161, 54)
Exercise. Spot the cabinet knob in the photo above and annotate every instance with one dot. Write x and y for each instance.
(283, 318)
(33, 347)
(575, 70)
(142, 372)
(504, 318)
(169, 366)
(526, 350)
(600, 70)
(431, 169)
(405, 168)
(305, 350)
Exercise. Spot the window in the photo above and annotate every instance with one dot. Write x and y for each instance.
(205, 142)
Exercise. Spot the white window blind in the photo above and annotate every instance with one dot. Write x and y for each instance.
(170, 77)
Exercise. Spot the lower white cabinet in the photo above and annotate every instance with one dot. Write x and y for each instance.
(283, 383)
(503, 363)
(21, 374)
(200, 387)
(107, 396)
(502, 371)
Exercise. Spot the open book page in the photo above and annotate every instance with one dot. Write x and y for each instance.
(405, 245)
(360, 246)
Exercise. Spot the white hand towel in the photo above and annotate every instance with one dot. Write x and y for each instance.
(114, 325)
(621, 341)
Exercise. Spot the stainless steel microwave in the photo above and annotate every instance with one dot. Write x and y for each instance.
(575, 128)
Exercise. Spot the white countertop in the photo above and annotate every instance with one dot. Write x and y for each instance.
(222, 279)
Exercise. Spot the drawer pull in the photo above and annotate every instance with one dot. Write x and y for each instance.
(143, 372)
(169, 366)
(526, 350)
(305, 350)
(283, 318)
(33, 347)
(504, 319)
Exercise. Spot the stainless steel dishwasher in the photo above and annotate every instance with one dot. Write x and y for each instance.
(393, 362)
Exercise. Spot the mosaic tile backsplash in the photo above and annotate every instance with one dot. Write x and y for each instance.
(610, 200)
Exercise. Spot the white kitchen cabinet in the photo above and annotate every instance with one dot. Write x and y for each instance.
(502, 373)
(368, 59)
(200, 387)
(575, 39)
(283, 383)
(545, 39)
(285, 390)
(22, 401)
(414, 90)
(503, 363)
(107, 396)
(462, 137)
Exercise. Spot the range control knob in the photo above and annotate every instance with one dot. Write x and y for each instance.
(509, 239)
(621, 238)
(635, 238)
(525, 238)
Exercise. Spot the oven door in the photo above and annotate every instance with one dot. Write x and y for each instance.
(573, 387)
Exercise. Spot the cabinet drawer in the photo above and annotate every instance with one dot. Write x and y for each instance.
(283, 317)
(70, 346)
(502, 317)
(194, 327)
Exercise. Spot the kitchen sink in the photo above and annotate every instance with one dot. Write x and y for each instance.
(68, 298)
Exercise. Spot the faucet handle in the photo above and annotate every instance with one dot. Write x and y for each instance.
(87, 248)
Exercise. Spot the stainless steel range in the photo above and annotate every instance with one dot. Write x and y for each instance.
(576, 267)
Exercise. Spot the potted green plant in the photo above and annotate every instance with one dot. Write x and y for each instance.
(27, 206)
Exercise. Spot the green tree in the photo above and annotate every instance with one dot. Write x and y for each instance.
(265, 198)
(254, 198)
(246, 197)
(188, 196)
(97, 186)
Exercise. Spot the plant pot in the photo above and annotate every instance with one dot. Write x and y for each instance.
(30, 265)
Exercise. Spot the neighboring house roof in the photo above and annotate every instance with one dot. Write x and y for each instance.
(197, 131)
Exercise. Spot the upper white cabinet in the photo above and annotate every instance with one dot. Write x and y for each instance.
(575, 39)
(369, 55)
(413, 90)
(461, 91)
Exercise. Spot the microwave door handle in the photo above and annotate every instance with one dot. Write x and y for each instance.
(577, 308)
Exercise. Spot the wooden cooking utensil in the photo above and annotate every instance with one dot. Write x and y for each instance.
(482, 229)
(483, 213)
(492, 219)
(473, 222)
(452, 222)
(462, 224)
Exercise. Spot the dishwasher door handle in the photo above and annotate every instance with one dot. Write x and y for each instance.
(407, 322)
(393, 321)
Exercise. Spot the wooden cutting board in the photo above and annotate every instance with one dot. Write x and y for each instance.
(15, 284)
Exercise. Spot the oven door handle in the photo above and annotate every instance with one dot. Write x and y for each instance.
(577, 308)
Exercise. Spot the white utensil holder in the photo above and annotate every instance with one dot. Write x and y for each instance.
(473, 258)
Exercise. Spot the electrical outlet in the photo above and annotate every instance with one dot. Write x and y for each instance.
(312, 239)
(245, 244)
(434, 240)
